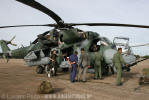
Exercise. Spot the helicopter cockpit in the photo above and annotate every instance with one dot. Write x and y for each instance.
(122, 42)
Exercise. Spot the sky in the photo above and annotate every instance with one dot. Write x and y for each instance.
(78, 11)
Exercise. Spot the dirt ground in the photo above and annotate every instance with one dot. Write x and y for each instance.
(19, 82)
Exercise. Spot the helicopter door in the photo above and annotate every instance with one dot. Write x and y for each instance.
(66, 52)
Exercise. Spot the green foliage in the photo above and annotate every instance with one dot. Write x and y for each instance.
(146, 56)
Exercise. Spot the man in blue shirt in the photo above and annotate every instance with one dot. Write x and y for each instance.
(73, 61)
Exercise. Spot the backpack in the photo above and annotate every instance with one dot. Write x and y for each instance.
(45, 88)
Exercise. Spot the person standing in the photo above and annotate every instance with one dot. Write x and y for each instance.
(118, 61)
(53, 61)
(97, 66)
(73, 61)
(84, 63)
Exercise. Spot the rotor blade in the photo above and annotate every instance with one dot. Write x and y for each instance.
(13, 38)
(107, 24)
(147, 44)
(50, 25)
(38, 6)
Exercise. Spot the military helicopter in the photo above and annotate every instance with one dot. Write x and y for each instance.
(65, 39)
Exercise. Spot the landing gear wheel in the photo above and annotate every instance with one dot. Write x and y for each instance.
(39, 69)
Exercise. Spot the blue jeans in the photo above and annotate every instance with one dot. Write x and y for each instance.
(73, 72)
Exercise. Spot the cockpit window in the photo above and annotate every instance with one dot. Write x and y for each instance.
(106, 40)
